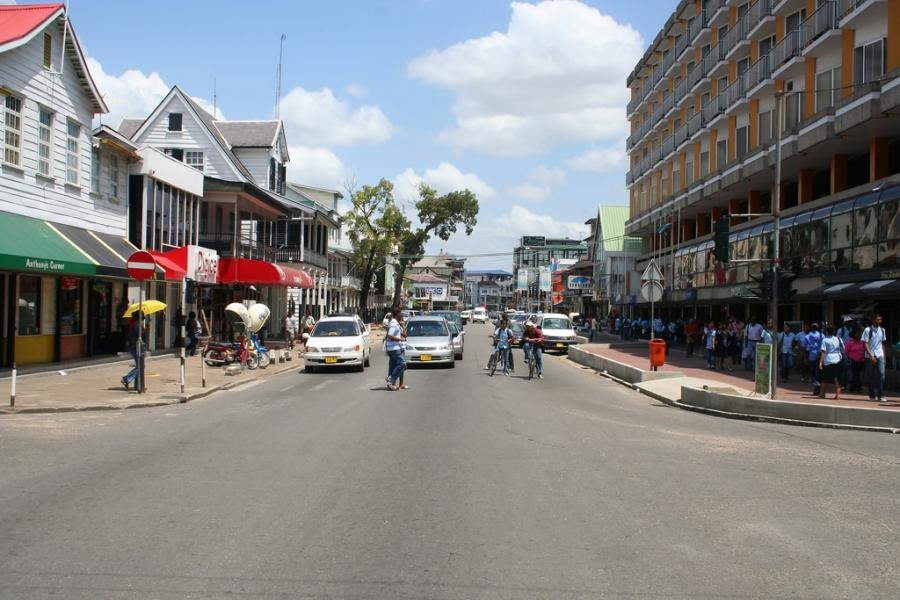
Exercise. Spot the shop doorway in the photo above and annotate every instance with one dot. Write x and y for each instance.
(102, 335)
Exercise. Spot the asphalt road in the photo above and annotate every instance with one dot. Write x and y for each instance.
(464, 486)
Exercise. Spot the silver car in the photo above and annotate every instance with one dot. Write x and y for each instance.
(458, 339)
(429, 341)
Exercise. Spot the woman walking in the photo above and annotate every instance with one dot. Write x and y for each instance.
(831, 361)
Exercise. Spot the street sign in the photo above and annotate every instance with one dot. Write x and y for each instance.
(141, 265)
(651, 291)
(652, 272)
(534, 241)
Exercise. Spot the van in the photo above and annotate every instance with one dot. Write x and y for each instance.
(479, 315)
(558, 331)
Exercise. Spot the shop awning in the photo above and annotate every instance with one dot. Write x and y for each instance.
(259, 272)
(172, 270)
(862, 289)
(109, 252)
(28, 244)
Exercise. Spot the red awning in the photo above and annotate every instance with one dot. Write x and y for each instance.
(248, 270)
(173, 271)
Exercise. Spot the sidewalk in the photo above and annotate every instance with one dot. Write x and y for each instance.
(96, 385)
(794, 402)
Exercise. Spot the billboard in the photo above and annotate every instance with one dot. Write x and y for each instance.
(534, 241)
(546, 279)
(580, 282)
(522, 280)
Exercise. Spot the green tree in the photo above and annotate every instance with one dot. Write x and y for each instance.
(440, 216)
(374, 222)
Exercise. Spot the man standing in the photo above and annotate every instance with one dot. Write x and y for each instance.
(290, 329)
(813, 346)
(786, 351)
(534, 342)
(393, 344)
(753, 332)
(873, 336)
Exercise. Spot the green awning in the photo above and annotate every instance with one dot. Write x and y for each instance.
(28, 244)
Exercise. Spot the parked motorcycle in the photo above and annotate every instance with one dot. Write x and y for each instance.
(261, 351)
(217, 353)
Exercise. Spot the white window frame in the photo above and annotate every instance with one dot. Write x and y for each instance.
(861, 72)
(12, 135)
(45, 142)
(114, 177)
(73, 149)
(194, 158)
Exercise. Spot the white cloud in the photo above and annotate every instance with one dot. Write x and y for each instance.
(357, 90)
(444, 179)
(599, 160)
(556, 75)
(539, 184)
(318, 167)
(318, 118)
(133, 94)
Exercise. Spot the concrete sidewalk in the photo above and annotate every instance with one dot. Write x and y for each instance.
(687, 383)
(97, 385)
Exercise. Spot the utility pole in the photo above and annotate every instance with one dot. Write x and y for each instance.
(776, 212)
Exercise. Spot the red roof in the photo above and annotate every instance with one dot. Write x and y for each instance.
(249, 271)
(18, 20)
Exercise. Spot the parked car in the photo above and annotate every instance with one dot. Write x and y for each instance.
(338, 342)
(466, 316)
(558, 331)
(428, 340)
(458, 339)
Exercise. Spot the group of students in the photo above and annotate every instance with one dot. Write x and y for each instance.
(532, 338)
(838, 357)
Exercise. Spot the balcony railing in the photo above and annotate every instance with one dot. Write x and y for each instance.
(668, 103)
(847, 6)
(296, 254)
(668, 61)
(713, 109)
(759, 11)
(824, 19)
(737, 33)
(695, 124)
(758, 72)
(786, 49)
(734, 92)
(681, 43)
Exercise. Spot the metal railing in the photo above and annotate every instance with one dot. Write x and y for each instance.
(756, 13)
(737, 33)
(297, 254)
(786, 49)
(713, 109)
(824, 19)
(758, 72)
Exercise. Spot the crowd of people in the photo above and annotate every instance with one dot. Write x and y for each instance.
(844, 357)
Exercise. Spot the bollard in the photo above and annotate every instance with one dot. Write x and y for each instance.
(281, 357)
(271, 356)
(288, 357)
(12, 391)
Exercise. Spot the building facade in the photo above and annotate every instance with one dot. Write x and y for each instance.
(720, 85)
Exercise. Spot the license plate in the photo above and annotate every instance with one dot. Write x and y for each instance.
(560, 345)
(425, 357)
(331, 359)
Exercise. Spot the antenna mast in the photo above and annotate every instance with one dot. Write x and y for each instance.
(278, 78)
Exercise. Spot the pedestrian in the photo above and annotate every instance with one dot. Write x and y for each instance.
(752, 332)
(308, 323)
(177, 321)
(721, 346)
(134, 348)
(193, 331)
(855, 349)
(394, 346)
(709, 337)
(813, 348)
(290, 329)
(844, 332)
(873, 337)
(786, 351)
(831, 361)
(800, 353)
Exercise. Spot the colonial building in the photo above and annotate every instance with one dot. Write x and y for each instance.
(721, 83)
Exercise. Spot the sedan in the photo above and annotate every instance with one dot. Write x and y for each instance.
(428, 340)
(458, 339)
(337, 342)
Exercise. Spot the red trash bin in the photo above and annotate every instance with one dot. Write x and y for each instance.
(657, 353)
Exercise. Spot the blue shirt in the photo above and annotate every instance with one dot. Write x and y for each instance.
(503, 335)
(393, 331)
(813, 341)
(831, 346)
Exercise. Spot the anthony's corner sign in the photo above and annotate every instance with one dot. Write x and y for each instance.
(580, 282)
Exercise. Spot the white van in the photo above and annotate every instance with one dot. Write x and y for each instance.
(479, 315)
(558, 331)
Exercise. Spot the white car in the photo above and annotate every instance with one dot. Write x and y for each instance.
(429, 341)
(338, 342)
(558, 331)
(466, 316)
(479, 315)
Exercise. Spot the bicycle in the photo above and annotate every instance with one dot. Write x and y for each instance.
(529, 358)
(500, 354)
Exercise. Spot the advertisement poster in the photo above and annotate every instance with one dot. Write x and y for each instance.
(763, 367)
(546, 279)
(522, 280)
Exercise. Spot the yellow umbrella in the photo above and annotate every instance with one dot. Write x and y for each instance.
(148, 307)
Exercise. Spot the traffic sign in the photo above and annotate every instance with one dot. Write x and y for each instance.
(141, 265)
(652, 272)
(652, 291)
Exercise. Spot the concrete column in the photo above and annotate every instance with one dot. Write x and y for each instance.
(879, 155)
(754, 203)
(804, 193)
(809, 99)
(702, 227)
(848, 39)
(838, 173)
(732, 145)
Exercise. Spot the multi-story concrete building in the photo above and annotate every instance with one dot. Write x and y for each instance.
(704, 111)
(534, 252)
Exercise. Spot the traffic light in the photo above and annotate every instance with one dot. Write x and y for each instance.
(721, 239)
(190, 291)
(764, 285)
(786, 291)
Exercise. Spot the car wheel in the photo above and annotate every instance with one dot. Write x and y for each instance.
(309, 369)
(360, 367)
(368, 362)
(453, 365)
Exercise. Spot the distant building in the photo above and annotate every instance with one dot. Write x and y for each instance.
(493, 289)
(535, 252)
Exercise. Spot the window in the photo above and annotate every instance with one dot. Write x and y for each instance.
(704, 163)
(174, 121)
(176, 153)
(48, 50)
(114, 177)
(45, 140)
(29, 305)
(721, 153)
(13, 136)
(194, 158)
(73, 130)
(869, 61)
(95, 172)
(688, 173)
(792, 21)
(792, 106)
(765, 128)
(827, 84)
(740, 138)
(766, 45)
(743, 65)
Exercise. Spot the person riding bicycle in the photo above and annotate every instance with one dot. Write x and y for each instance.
(503, 339)
(533, 339)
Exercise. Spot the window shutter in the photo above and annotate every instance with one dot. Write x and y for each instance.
(174, 121)
(48, 50)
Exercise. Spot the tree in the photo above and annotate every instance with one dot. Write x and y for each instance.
(439, 216)
(374, 221)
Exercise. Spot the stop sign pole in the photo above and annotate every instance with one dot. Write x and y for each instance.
(141, 266)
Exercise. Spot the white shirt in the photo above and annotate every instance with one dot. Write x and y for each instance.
(874, 338)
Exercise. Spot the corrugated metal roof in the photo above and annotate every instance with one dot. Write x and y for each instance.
(249, 134)
(18, 20)
(611, 229)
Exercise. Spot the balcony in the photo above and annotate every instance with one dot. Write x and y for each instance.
(245, 247)
(757, 76)
(785, 54)
(348, 281)
(713, 110)
(821, 28)
(295, 254)
(695, 124)
(718, 13)
(718, 66)
(848, 10)
(759, 15)
(735, 94)
(668, 104)
(736, 37)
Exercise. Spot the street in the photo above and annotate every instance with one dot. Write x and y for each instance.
(327, 485)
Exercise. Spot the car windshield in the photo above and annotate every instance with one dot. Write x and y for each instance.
(426, 328)
(557, 323)
(335, 329)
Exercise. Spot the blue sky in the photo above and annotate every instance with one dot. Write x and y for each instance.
(521, 102)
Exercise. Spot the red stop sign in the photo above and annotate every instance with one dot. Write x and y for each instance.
(141, 265)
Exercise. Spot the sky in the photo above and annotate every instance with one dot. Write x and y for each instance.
(523, 103)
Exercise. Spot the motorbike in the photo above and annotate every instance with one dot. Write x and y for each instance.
(261, 351)
(217, 353)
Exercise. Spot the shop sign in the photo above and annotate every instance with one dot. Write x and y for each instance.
(433, 292)
(580, 282)
(202, 264)
(68, 283)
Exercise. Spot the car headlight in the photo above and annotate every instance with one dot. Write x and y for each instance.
(444, 347)
(572, 338)
(311, 349)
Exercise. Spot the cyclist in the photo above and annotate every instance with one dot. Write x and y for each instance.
(503, 339)
(534, 346)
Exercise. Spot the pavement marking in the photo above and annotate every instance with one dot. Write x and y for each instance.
(287, 389)
(323, 385)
